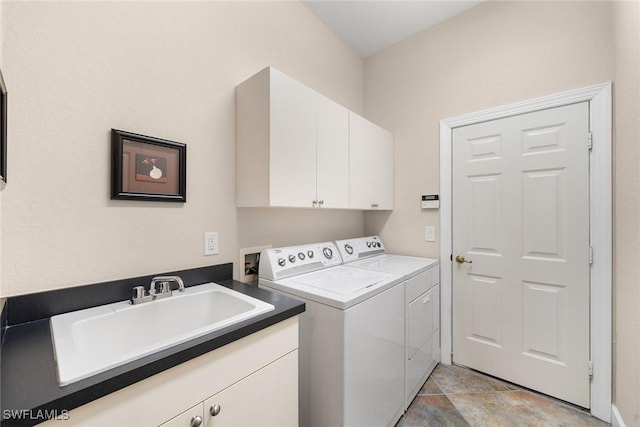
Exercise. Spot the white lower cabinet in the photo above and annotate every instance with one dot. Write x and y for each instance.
(254, 381)
(191, 417)
(267, 397)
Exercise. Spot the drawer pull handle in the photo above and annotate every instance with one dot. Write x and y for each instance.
(426, 300)
(196, 421)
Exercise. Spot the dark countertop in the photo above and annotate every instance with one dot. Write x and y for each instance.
(28, 373)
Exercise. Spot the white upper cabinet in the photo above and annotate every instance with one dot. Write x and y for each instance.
(332, 154)
(293, 148)
(292, 141)
(370, 165)
(275, 141)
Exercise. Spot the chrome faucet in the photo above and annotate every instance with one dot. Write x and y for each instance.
(140, 295)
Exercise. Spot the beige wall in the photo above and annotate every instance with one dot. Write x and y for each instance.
(495, 54)
(166, 69)
(627, 206)
(499, 53)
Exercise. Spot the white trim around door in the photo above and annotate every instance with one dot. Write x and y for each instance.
(600, 117)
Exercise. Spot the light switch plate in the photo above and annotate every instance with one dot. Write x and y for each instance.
(430, 233)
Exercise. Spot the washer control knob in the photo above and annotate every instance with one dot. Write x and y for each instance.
(292, 258)
(327, 252)
(301, 255)
(349, 249)
(378, 244)
(368, 244)
(281, 262)
(310, 254)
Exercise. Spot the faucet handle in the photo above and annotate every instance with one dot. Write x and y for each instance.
(138, 292)
(166, 287)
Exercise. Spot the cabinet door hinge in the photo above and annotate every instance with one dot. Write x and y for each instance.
(590, 255)
(590, 368)
(590, 141)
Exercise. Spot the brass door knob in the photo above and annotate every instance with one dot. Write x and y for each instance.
(461, 259)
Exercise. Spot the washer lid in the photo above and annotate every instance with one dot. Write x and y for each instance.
(397, 264)
(340, 286)
(343, 281)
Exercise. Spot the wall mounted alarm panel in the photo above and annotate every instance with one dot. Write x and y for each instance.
(430, 201)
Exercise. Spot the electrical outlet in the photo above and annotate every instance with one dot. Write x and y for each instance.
(211, 243)
(430, 233)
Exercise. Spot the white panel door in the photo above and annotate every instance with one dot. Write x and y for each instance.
(521, 222)
(332, 188)
(292, 156)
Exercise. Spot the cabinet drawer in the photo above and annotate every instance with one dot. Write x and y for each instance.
(421, 283)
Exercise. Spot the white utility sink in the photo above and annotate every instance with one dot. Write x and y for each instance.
(94, 340)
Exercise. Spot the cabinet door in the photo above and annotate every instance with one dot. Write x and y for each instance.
(268, 397)
(332, 150)
(292, 139)
(189, 418)
(370, 165)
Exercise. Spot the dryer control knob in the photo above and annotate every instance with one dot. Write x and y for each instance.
(310, 254)
(327, 252)
(281, 262)
(292, 258)
(348, 248)
(368, 244)
(301, 256)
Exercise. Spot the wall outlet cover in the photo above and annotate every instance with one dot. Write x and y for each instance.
(211, 243)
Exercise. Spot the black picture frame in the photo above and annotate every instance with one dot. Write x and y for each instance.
(147, 168)
(3, 130)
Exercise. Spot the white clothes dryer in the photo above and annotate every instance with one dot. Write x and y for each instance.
(351, 350)
(422, 303)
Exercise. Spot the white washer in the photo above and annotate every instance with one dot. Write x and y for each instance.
(351, 353)
(422, 299)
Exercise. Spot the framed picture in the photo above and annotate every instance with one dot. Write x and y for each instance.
(3, 130)
(147, 168)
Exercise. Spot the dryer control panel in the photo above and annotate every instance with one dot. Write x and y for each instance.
(360, 247)
(279, 263)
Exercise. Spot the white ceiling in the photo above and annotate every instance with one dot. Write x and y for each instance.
(369, 26)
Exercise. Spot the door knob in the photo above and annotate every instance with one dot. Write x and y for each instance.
(461, 259)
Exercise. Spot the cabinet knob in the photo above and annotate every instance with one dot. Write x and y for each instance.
(196, 421)
(321, 202)
(214, 410)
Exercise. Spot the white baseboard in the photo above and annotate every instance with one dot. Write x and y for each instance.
(616, 420)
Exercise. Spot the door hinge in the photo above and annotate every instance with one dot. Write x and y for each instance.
(590, 255)
(590, 141)
(590, 368)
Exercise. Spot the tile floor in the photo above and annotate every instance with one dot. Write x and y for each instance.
(456, 396)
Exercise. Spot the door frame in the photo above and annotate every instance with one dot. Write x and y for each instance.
(600, 209)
